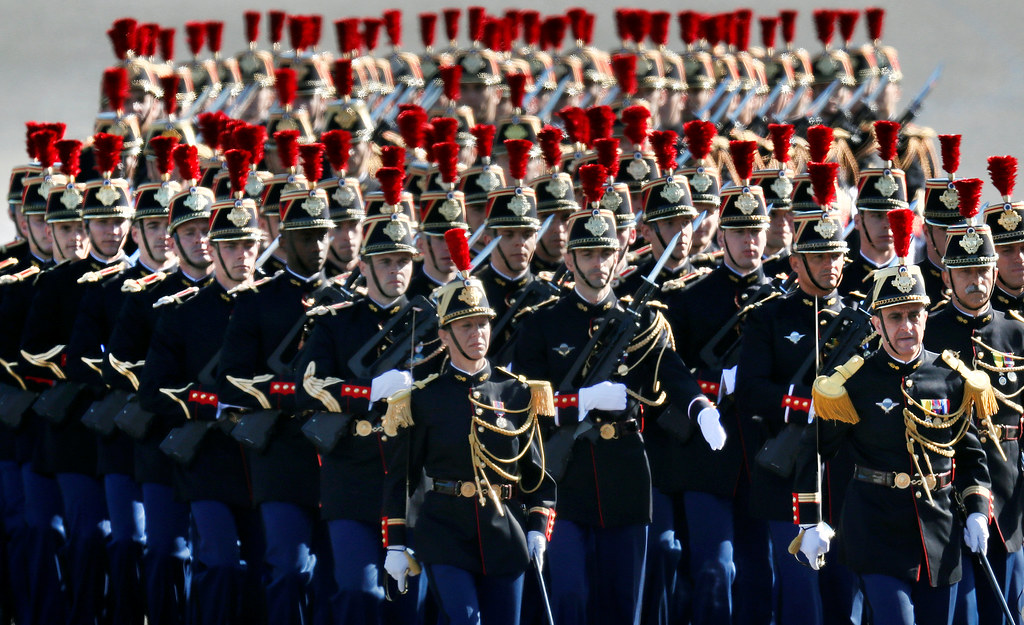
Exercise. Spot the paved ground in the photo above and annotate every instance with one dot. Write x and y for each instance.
(55, 53)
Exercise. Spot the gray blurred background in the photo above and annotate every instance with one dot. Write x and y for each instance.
(55, 53)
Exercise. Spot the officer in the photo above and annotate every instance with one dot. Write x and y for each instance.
(178, 385)
(1004, 218)
(166, 557)
(605, 481)
(66, 448)
(905, 420)
(266, 328)
(354, 456)
(714, 482)
(988, 340)
(779, 340)
(489, 508)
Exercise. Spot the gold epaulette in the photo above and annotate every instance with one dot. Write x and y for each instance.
(399, 412)
(139, 285)
(178, 298)
(7, 263)
(831, 401)
(96, 276)
(656, 304)
(421, 384)
(253, 285)
(21, 275)
(977, 387)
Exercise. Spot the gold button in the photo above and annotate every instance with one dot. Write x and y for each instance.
(479, 411)
(607, 431)
(476, 394)
(468, 489)
(363, 428)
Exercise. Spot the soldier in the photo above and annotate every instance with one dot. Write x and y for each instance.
(901, 531)
(440, 211)
(346, 205)
(178, 385)
(778, 192)
(987, 340)
(556, 198)
(940, 212)
(485, 518)
(605, 480)
(1004, 219)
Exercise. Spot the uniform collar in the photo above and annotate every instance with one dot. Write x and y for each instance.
(904, 368)
(972, 321)
(386, 310)
(827, 301)
(754, 277)
(314, 281)
(589, 307)
(470, 379)
(870, 263)
(1006, 297)
(502, 280)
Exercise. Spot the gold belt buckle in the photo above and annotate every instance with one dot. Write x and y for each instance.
(468, 489)
(930, 481)
(902, 480)
(608, 432)
(363, 428)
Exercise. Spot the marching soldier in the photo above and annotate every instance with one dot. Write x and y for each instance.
(489, 508)
(1004, 219)
(178, 384)
(940, 211)
(441, 210)
(905, 419)
(555, 198)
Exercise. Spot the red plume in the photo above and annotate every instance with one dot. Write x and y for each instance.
(451, 23)
(186, 159)
(553, 31)
(451, 76)
(516, 89)
(689, 24)
(969, 190)
(950, 147)
(286, 84)
(593, 177)
(106, 149)
(602, 120)
(371, 32)
(1003, 171)
(296, 26)
(390, 179)
(624, 68)
(518, 157)
(445, 129)
(622, 24)
(659, 27)
(238, 169)
(43, 141)
(577, 124)
(741, 29)
(393, 26)
(823, 181)
(252, 138)
(699, 135)
(167, 43)
(277, 19)
(312, 161)
(392, 156)
(664, 144)
(115, 87)
(58, 129)
(847, 24)
(169, 85)
(887, 134)
(447, 155)
(769, 26)
(491, 33)
(824, 25)
(347, 33)
(252, 25)
(30, 129)
(876, 17)
(338, 146)
(476, 25)
(145, 39)
(636, 121)
(342, 75)
(458, 248)
(410, 125)
(210, 126)
(122, 35)
(588, 28)
(214, 36)
(819, 140)
(531, 27)
(195, 36)
(608, 155)
(577, 17)
(781, 135)
(513, 17)
(742, 153)
(428, 28)
(69, 151)
(788, 19)
(162, 147)
(287, 147)
(550, 139)
(901, 222)
(710, 27)
(484, 135)
(316, 23)
(228, 140)
(639, 21)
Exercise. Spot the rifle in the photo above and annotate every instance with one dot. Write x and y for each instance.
(545, 113)
(712, 354)
(914, 108)
(761, 119)
(734, 117)
(849, 332)
(536, 291)
(719, 91)
(401, 331)
(812, 115)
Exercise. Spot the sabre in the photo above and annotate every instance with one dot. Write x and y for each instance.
(484, 253)
(267, 253)
(543, 592)
(703, 111)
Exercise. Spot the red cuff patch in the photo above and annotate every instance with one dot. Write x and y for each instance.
(567, 401)
(796, 403)
(359, 392)
(202, 397)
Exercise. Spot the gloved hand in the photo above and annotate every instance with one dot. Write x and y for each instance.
(815, 543)
(388, 383)
(536, 544)
(711, 427)
(396, 563)
(602, 396)
(976, 533)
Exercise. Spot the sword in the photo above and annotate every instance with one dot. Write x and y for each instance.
(267, 253)
(484, 253)
(473, 238)
(915, 105)
(735, 115)
(983, 561)
(703, 111)
(543, 592)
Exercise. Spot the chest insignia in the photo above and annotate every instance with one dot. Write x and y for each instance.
(794, 337)
(563, 350)
(886, 405)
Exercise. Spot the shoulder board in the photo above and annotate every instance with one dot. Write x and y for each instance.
(96, 276)
(1013, 313)
(521, 378)
(178, 298)
(425, 381)
(140, 284)
(8, 262)
(638, 253)
(253, 286)
(656, 304)
(21, 275)
(525, 310)
(941, 304)
(628, 271)
(677, 283)
(319, 311)
(8, 247)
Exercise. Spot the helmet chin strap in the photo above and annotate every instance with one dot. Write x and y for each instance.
(458, 346)
(181, 252)
(963, 304)
(661, 238)
(224, 265)
(376, 281)
(92, 242)
(584, 277)
(810, 275)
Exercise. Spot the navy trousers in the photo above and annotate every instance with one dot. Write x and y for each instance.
(166, 559)
(666, 589)
(85, 513)
(288, 533)
(468, 599)
(229, 577)
(893, 601)
(44, 522)
(16, 541)
(797, 596)
(712, 570)
(125, 601)
(752, 554)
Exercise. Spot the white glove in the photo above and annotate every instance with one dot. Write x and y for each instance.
(389, 383)
(711, 427)
(536, 544)
(815, 542)
(602, 396)
(396, 563)
(976, 533)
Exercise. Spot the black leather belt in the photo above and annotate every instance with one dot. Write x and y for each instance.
(362, 427)
(615, 429)
(894, 479)
(1003, 433)
(459, 488)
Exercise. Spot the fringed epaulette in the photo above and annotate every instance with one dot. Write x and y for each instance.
(542, 398)
(96, 276)
(977, 387)
(399, 412)
(139, 285)
(831, 401)
(177, 298)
